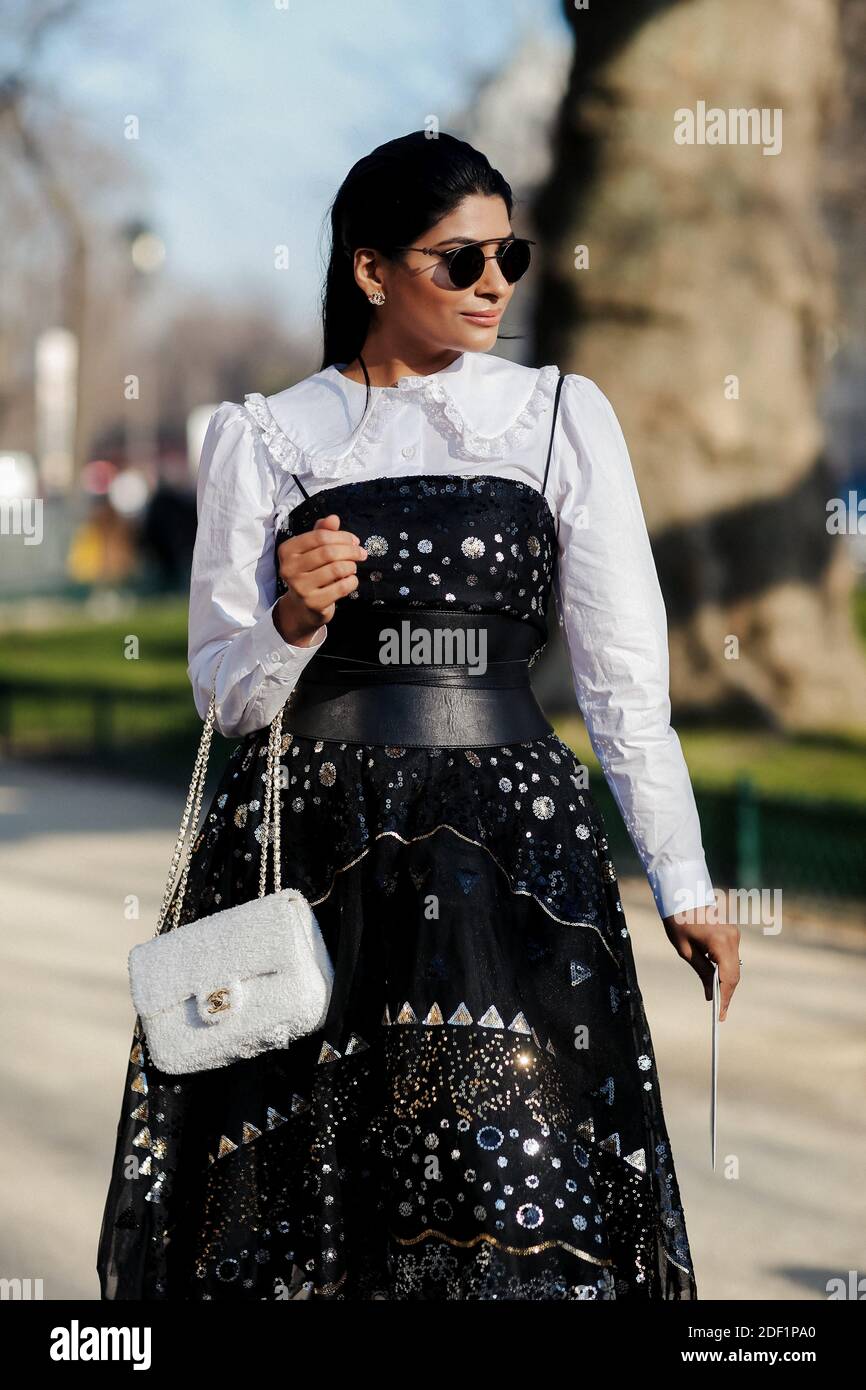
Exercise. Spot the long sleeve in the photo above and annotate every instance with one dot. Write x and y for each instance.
(612, 614)
(233, 582)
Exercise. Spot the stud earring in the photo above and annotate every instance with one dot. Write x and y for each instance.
(377, 297)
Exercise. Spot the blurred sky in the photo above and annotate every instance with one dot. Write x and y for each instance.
(252, 112)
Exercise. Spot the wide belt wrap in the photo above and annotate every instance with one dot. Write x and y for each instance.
(356, 692)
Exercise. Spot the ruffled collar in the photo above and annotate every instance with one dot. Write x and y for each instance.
(484, 406)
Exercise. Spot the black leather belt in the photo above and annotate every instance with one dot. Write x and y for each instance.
(364, 690)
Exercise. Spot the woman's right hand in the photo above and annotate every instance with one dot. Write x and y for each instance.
(318, 567)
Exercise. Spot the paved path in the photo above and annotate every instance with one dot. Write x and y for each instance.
(74, 847)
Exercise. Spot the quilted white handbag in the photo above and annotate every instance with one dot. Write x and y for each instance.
(233, 984)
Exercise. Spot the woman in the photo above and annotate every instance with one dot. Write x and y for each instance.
(479, 1116)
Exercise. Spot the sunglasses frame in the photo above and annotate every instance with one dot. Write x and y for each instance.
(448, 256)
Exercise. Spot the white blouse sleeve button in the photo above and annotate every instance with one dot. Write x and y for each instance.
(611, 610)
(233, 582)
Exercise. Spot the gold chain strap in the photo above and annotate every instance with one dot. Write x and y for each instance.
(270, 823)
(271, 812)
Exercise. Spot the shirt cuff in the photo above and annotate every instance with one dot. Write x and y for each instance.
(681, 886)
(275, 655)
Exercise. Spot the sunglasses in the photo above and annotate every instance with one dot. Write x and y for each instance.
(466, 263)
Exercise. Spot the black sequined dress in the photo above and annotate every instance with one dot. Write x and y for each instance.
(480, 1118)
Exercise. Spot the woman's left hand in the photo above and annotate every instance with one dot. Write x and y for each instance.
(702, 936)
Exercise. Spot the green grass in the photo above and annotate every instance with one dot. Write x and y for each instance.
(71, 659)
(81, 655)
(812, 768)
(84, 653)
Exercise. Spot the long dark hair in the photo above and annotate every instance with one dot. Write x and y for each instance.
(387, 199)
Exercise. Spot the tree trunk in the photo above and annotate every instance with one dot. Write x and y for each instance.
(704, 315)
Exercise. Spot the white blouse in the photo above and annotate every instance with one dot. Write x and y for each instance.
(480, 414)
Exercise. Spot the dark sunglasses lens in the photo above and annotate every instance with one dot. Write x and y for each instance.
(514, 260)
(466, 267)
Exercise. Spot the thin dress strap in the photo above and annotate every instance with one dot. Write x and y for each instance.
(301, 486)
(552, 432)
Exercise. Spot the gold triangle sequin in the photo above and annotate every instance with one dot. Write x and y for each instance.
(328, 1053)
(611, 1144)
(140, 1112)
(519, 1024)
(434, 1015)
(407, 1014)
(249, 1132)
(137, 1055)
(139, 1084)
(355, 1044)
(461, 1015)
(386, 1017)
(275, 1118)
(226, 1147)
(491, 1019)
(156, 1191)
(147, 1166)
(142, 1138)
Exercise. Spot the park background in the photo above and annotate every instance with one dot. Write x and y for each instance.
(167, 174)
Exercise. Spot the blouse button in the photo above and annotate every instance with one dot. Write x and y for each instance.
(408, 451)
